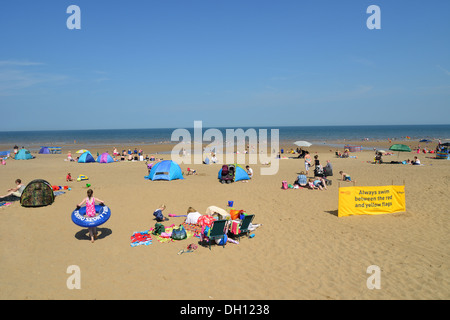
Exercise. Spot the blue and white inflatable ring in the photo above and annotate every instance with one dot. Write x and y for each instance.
(103, 213)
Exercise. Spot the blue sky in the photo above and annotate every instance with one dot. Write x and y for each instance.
(155, 64)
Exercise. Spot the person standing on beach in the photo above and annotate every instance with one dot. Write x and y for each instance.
(90, 211)
(307, 162)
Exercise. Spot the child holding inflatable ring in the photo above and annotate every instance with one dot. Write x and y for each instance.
(90, 211)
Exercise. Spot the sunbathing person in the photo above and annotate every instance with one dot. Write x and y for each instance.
(320, 184)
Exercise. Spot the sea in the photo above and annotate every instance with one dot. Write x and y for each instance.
(324, 135)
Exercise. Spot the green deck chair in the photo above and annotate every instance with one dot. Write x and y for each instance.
(245, 224)
(217, 231)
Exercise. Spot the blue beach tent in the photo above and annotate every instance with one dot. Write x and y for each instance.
(23, 154)
(44, 150)
(86, 157)
(165, 170)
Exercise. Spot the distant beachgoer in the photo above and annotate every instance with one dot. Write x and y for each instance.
(307, 162)
(316, 161)
(249, 171)
(320, 183)
(311, 184)
(416, 161)
(301, 180)
(90, 211)
(328, 169)
(17, 191)
(69, 177)
(378, 158)
(191, 171)
(345, 176)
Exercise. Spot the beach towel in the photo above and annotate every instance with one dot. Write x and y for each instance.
(166, 237)
(194, 228)
(5, 204)
(141, 238)
(205, 221)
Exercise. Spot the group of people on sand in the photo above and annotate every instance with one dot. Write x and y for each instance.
(319, 181)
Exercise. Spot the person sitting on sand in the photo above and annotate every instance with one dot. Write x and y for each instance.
(159, 215)
(378, 158)
(311, 184)
(345, 176)
(192, 216)
(328, 169)
(301, 180)
(17, 191)
(69, 177)
(415, 161)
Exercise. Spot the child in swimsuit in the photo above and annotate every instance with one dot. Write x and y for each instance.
(90, 211)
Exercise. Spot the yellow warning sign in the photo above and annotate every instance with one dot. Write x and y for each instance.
(371, 200)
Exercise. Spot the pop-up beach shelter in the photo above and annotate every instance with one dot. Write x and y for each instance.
(23, 154)
(105, 158)
(86, 157)
(44, 150)
(239, 173)
(37, 193)
(165, 170)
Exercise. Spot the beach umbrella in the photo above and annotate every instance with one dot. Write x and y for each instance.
(82, 151)
(400, 148)
(447, 144)
(381, 151)
(425, 140)
(303, 143)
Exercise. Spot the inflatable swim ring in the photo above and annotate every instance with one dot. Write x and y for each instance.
(80, 219)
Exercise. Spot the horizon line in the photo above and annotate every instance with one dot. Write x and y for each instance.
(230, 127)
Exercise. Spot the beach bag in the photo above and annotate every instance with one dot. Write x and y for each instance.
(179, 233)
(159, 228)
(284, 185)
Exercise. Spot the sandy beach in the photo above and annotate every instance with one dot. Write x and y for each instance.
(303, 250)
